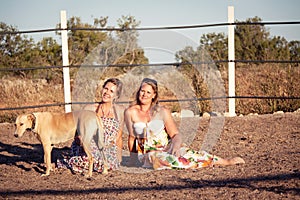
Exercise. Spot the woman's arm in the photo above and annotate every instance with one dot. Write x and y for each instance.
(172, 131)
(120, 144)
(129, 124)
(119, 115)
(169, 122)
(176, 145)
(131, 137)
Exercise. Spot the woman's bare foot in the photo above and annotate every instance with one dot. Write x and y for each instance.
(225, 162)
(237, 160)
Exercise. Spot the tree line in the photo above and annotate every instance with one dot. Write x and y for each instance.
(20, 51)
(252, 42)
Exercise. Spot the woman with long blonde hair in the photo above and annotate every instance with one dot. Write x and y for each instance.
(154, 139)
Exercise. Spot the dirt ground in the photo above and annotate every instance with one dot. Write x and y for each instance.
(268, 143)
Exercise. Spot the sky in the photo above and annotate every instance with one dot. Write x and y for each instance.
(44, 14)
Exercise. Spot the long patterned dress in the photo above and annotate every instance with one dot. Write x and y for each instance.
(78, 162)
(153, 143)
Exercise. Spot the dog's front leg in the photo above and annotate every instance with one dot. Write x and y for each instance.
(47, 158)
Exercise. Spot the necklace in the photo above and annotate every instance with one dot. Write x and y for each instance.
(103, 113)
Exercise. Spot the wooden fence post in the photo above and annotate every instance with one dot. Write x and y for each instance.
(231, 65)
(65, 58)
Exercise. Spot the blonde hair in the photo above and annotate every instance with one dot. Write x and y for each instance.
(153, 84)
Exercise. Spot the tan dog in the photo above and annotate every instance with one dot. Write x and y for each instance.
(49, 128)
(54, 128)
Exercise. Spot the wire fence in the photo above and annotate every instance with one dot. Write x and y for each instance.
(154, 64)
(148, 65)
(149, 28)
(161, 101)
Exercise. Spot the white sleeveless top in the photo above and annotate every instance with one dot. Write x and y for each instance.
(153, 132)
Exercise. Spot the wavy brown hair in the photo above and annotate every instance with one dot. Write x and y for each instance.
(116, 82)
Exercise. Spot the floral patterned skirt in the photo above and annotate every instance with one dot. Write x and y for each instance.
(78, 162)
(189, 159)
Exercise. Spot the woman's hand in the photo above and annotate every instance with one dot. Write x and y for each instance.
(172, 131)
(176, 144)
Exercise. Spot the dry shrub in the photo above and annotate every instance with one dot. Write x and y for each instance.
(267, 80)
(251, 80)
(23, 92)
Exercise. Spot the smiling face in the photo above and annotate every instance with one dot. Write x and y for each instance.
(23, 122)
(109, 92)
(146, 94)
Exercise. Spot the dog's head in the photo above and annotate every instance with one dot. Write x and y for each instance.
(23, 123)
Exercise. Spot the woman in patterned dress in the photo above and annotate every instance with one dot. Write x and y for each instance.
(154, 138)
(112, 117)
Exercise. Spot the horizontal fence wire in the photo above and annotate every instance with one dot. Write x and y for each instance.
(161, 101)
(156, 64)
(147, 65)
(151, 28)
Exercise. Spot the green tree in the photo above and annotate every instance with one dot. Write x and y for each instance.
(104, 47)
(251, 40)
(50, 51)
(128, 39)
(82, 42)
(294, 47)
(216, 44)
(47, 52)
(277, 49)
(15, 49)
(122, 47)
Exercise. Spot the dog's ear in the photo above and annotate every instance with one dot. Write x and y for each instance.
(30, 117)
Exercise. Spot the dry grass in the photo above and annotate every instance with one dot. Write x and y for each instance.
(22, 92)
(255, 80)
(267, 80)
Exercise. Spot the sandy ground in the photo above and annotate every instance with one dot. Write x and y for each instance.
(268, 143)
